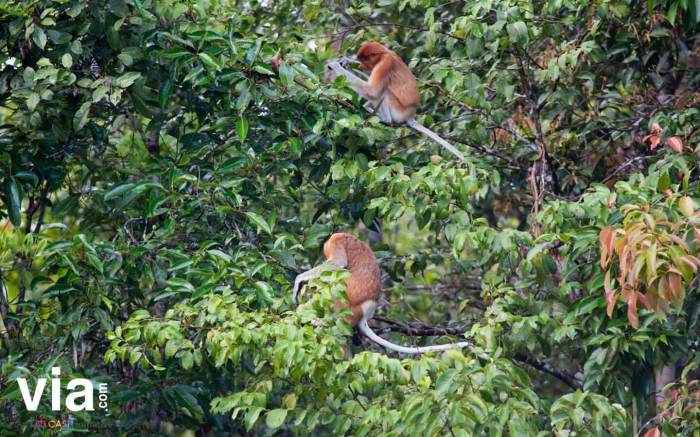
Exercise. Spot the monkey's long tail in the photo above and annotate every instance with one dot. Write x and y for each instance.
(364, 327)
(435, 137)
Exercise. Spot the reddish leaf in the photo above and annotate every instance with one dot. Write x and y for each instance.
(688, 260)
(675, 143)
(610, 296)
(651, 300)
(606, 242)
(653, 140)
(630, 296)
(653, 432)
(276, 63)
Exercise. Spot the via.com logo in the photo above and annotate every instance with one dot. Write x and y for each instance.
(80, 396)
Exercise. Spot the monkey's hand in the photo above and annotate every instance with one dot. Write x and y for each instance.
(295, 291)
(333, 69)
(346, 61)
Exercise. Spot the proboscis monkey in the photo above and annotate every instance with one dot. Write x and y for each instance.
(391, 89)
(344, 251)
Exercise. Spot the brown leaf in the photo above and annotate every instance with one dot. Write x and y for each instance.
(651, 300)
(674, 284)
(675, 143)
(501, 136)
(606, 241)
(276, 63)
(530, 124)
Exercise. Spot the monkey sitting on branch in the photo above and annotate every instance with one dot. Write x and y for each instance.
(391, 89)
(344, 251)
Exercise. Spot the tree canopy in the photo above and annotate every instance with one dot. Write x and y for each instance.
(168, 167)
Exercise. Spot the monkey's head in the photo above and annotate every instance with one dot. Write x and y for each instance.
(370, 54)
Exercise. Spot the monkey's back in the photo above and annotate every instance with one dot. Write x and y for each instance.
(403, 85)
(364, 282)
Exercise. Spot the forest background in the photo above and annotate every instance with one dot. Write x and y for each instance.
(167, 168)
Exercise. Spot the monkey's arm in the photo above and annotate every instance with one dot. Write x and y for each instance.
(313, 274)
(335, 68)
(371, 89)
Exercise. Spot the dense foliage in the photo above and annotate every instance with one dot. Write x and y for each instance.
(167, 168)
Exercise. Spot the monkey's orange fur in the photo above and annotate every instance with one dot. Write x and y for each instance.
(345, 251)
(390, 79)
(364, 282)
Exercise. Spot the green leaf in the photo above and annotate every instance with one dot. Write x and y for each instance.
(67, 60)
(39, 37)
(672, 11)
(209, 62)
(33, 101)
(252, 416)
(76, 47)
(13, 199)
(81, 116)
(117, 191)
(242, 129)
(275, 418)
(127, 79)
(184, 397)
(95, 262)
(518, 33)
(286, 74)
(164, 94)
(27, 176)
(219, 254)
(259, 222)
(295, 146)
(244, 97)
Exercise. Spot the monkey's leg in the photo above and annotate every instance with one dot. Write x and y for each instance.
(357, 312)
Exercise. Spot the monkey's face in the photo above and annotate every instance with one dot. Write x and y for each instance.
(368, 62)
(370, 54)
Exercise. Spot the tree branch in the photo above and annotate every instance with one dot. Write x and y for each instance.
(565, 376)
(419, 329)
(42, 207)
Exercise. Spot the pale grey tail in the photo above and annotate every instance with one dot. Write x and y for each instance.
(364, 327)
(435, 137)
